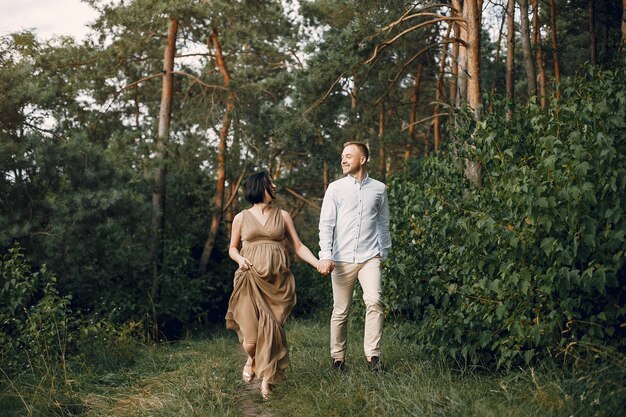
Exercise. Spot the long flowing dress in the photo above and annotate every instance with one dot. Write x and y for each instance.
(264, 295)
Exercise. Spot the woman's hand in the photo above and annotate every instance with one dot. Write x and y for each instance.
(325, 267)
(244, 263)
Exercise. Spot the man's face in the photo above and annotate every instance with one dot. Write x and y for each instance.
(351, 159)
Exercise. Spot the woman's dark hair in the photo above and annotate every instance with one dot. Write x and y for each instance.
(256, 185)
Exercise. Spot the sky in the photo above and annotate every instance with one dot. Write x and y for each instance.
(49, 18)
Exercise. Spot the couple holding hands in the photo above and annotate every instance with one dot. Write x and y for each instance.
(354, 238)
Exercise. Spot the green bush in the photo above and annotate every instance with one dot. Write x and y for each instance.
(36, 320)
(42, 334)
(531, 263)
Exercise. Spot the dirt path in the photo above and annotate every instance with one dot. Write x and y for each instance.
(250, 396)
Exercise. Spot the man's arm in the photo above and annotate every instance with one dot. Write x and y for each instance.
(382, 224)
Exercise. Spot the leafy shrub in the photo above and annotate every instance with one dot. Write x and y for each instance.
(531, 263)
(40, 332)
(36, 320)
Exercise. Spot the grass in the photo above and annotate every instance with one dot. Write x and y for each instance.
(418, 385)
(187, 378)
(202, 378)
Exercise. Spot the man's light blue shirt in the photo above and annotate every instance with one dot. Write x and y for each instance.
(354, 221)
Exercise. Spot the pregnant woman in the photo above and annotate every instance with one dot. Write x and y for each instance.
(264, 288)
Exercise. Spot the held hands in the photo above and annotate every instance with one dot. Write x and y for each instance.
(325, 267)
(244, 263)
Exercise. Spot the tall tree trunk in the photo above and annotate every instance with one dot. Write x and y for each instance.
(453, 96)
(592, 32)
(462, 57)
(510, 50)
(539, 55)
(555, 50)
(472, 16)
(454, 55)
(439, 92)
(160, 173)
(510, 54)
(527, 52)
(413, 116)
(216, 216)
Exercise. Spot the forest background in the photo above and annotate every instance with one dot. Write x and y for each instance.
(498, 126)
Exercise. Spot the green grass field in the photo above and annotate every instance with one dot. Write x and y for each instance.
(201, 377)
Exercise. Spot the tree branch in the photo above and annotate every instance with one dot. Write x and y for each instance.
(50, 132)
(424, 120)
(199, 81)
(413, 58)
(299, 197)
(406, 15)
(134, 83)
(395, 79)
(385, 44)
(196, 54)
(321, 99)
(234, 193)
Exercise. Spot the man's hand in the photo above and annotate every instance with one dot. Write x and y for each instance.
(325, 267)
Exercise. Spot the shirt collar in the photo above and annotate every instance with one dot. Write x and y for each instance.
(355, 181)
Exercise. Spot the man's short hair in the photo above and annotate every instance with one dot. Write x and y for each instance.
(255, 187)
(362, 147)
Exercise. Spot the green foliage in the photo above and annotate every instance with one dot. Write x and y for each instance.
(36, 321)
(40, 332)
(531, 263)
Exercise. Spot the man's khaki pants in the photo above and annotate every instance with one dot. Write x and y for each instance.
(344, 277)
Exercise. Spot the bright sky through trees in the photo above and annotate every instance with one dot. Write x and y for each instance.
(48, 17)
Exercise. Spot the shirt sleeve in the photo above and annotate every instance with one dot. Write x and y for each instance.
(382, 224)
(328, 220)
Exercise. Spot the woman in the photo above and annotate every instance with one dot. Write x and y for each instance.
(264, 288)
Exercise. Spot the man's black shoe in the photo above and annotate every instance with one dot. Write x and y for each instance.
(339, 365)
(374, 364)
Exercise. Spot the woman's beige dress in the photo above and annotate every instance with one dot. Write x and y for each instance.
(264, 295)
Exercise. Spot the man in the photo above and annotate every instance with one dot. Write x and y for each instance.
(354, 237)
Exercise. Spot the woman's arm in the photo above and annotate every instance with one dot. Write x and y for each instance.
(235, 242)
(301, 250)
